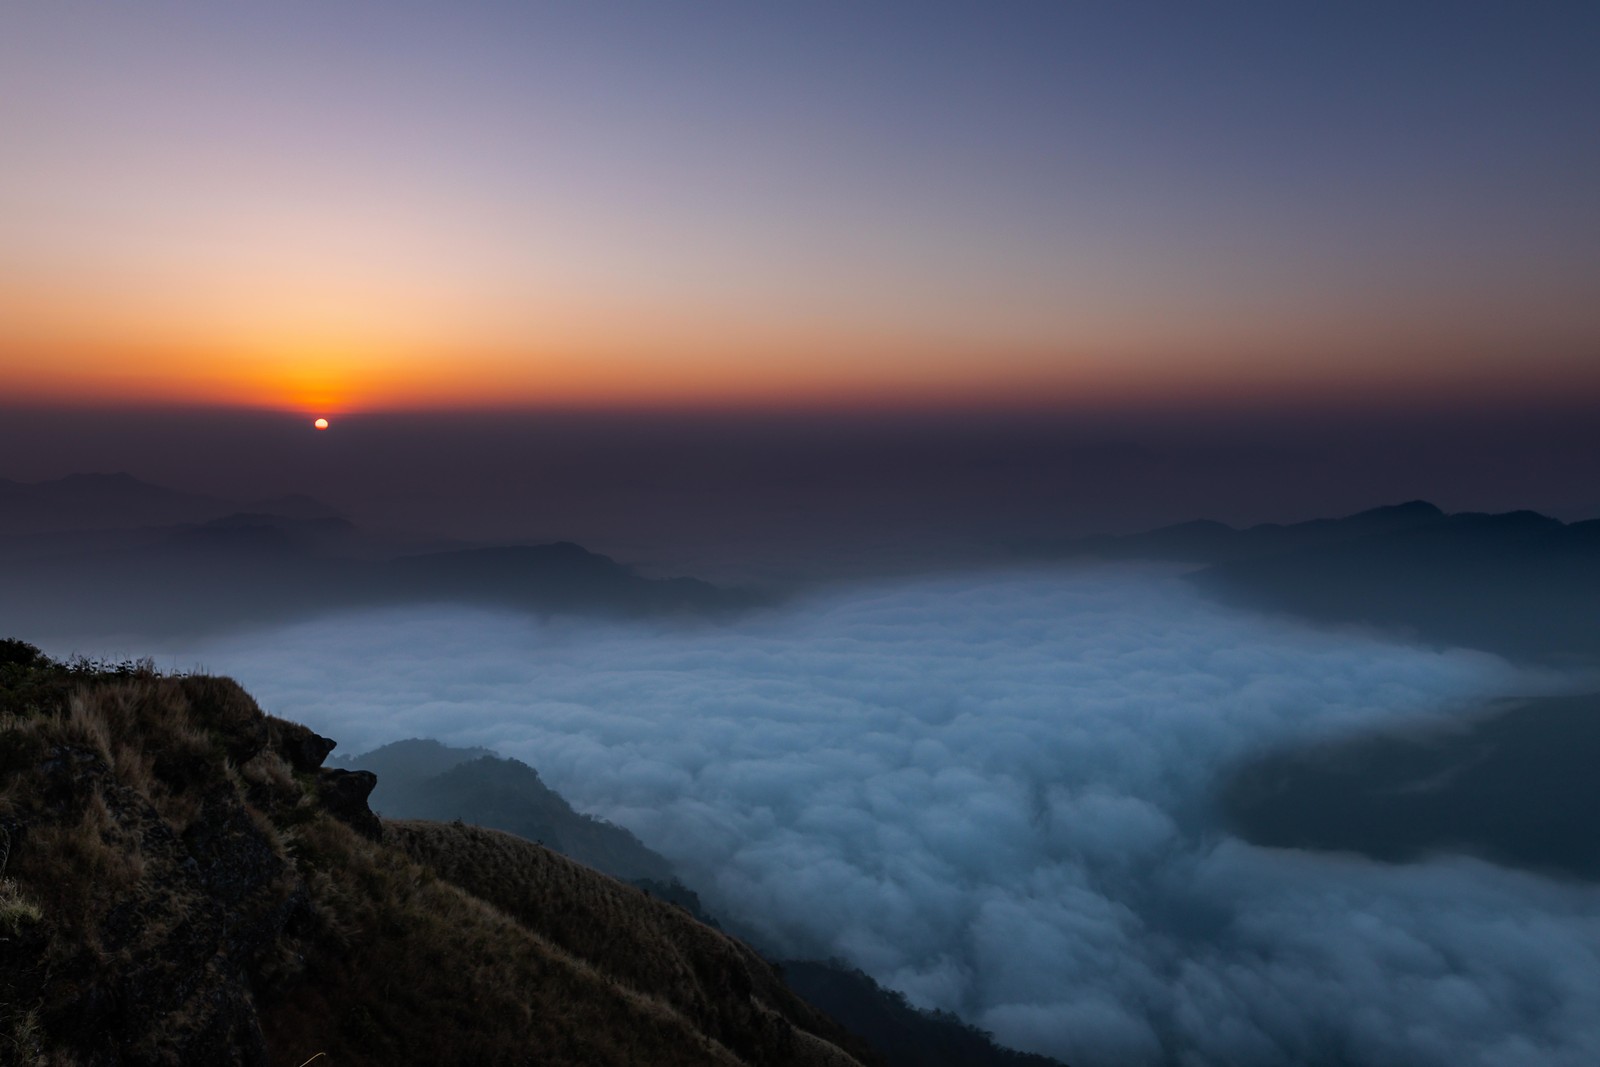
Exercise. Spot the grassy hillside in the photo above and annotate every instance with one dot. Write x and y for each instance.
(184, 883)
(908, 1036)
(736, 997)
(422, 779)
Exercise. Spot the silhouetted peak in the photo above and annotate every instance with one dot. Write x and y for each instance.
(1197, 526)
(1506, 520)
(1411, 509)
(559, 550)
(425, 748)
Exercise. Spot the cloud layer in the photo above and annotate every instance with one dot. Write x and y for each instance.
(992, 792)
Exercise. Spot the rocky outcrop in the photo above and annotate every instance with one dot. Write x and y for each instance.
(304, 748)
(167, 897)
(344, 794)
(185, 884)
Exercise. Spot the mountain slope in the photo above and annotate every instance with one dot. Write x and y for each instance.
(424, 779)
(184, 883)
(1207, 541)
(1520, 584)
(255, 569)
(121, 501)
(420, 779)
(735, 997)
(1515, 786)
(99, 501)
(908, 1036)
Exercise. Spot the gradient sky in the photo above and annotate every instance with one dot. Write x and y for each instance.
(333, 208)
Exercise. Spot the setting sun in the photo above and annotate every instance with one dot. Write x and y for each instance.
(321, 424)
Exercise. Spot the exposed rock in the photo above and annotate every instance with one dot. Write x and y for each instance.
(166, 926)
(344, 794)
(304, 748)
(181, 889)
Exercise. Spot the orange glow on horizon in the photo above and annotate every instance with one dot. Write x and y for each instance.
(326, 386)
(384, 355)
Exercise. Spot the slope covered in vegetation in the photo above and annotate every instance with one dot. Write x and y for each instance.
(185, 883)
(423, 779)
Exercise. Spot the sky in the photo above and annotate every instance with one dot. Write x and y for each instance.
(873, 292)
(327, 209)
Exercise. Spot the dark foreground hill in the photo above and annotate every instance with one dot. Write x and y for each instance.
(419, 778)
(909, 1037)
(184, 883)
(1519, 584)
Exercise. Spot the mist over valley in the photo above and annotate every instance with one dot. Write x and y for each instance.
(826, 535)
(997, 791)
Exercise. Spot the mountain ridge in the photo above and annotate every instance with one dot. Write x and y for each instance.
(1517, 583)
(227, 565)
(185, 882)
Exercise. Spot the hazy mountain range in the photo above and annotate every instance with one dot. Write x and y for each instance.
(1515, 786)
(1518, 583)
(109, 555)
(1511, 785)
(121, 501)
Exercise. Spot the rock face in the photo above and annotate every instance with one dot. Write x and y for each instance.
(167, 892)
(344, 794)
(184, 884)
(303, 748)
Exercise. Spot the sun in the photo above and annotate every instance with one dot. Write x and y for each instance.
(321, 424)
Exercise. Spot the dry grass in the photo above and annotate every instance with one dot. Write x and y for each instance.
(414, 969)
(643, 944)
(78, 869)
(159, 824)
(16, 910)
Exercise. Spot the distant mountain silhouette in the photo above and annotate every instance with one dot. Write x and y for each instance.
(119, 501)
(559, 576)
(1515, 786)
(1206, 541)
(261, 532)
(232, 567)
(99, 501)
(400, 765)
(1520, 583)
(423, 779)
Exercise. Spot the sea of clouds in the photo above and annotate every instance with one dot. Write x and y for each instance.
(993, 792)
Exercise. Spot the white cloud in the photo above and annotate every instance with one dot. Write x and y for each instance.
(991, 791)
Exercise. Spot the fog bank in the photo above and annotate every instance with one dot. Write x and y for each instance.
(992, 791)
